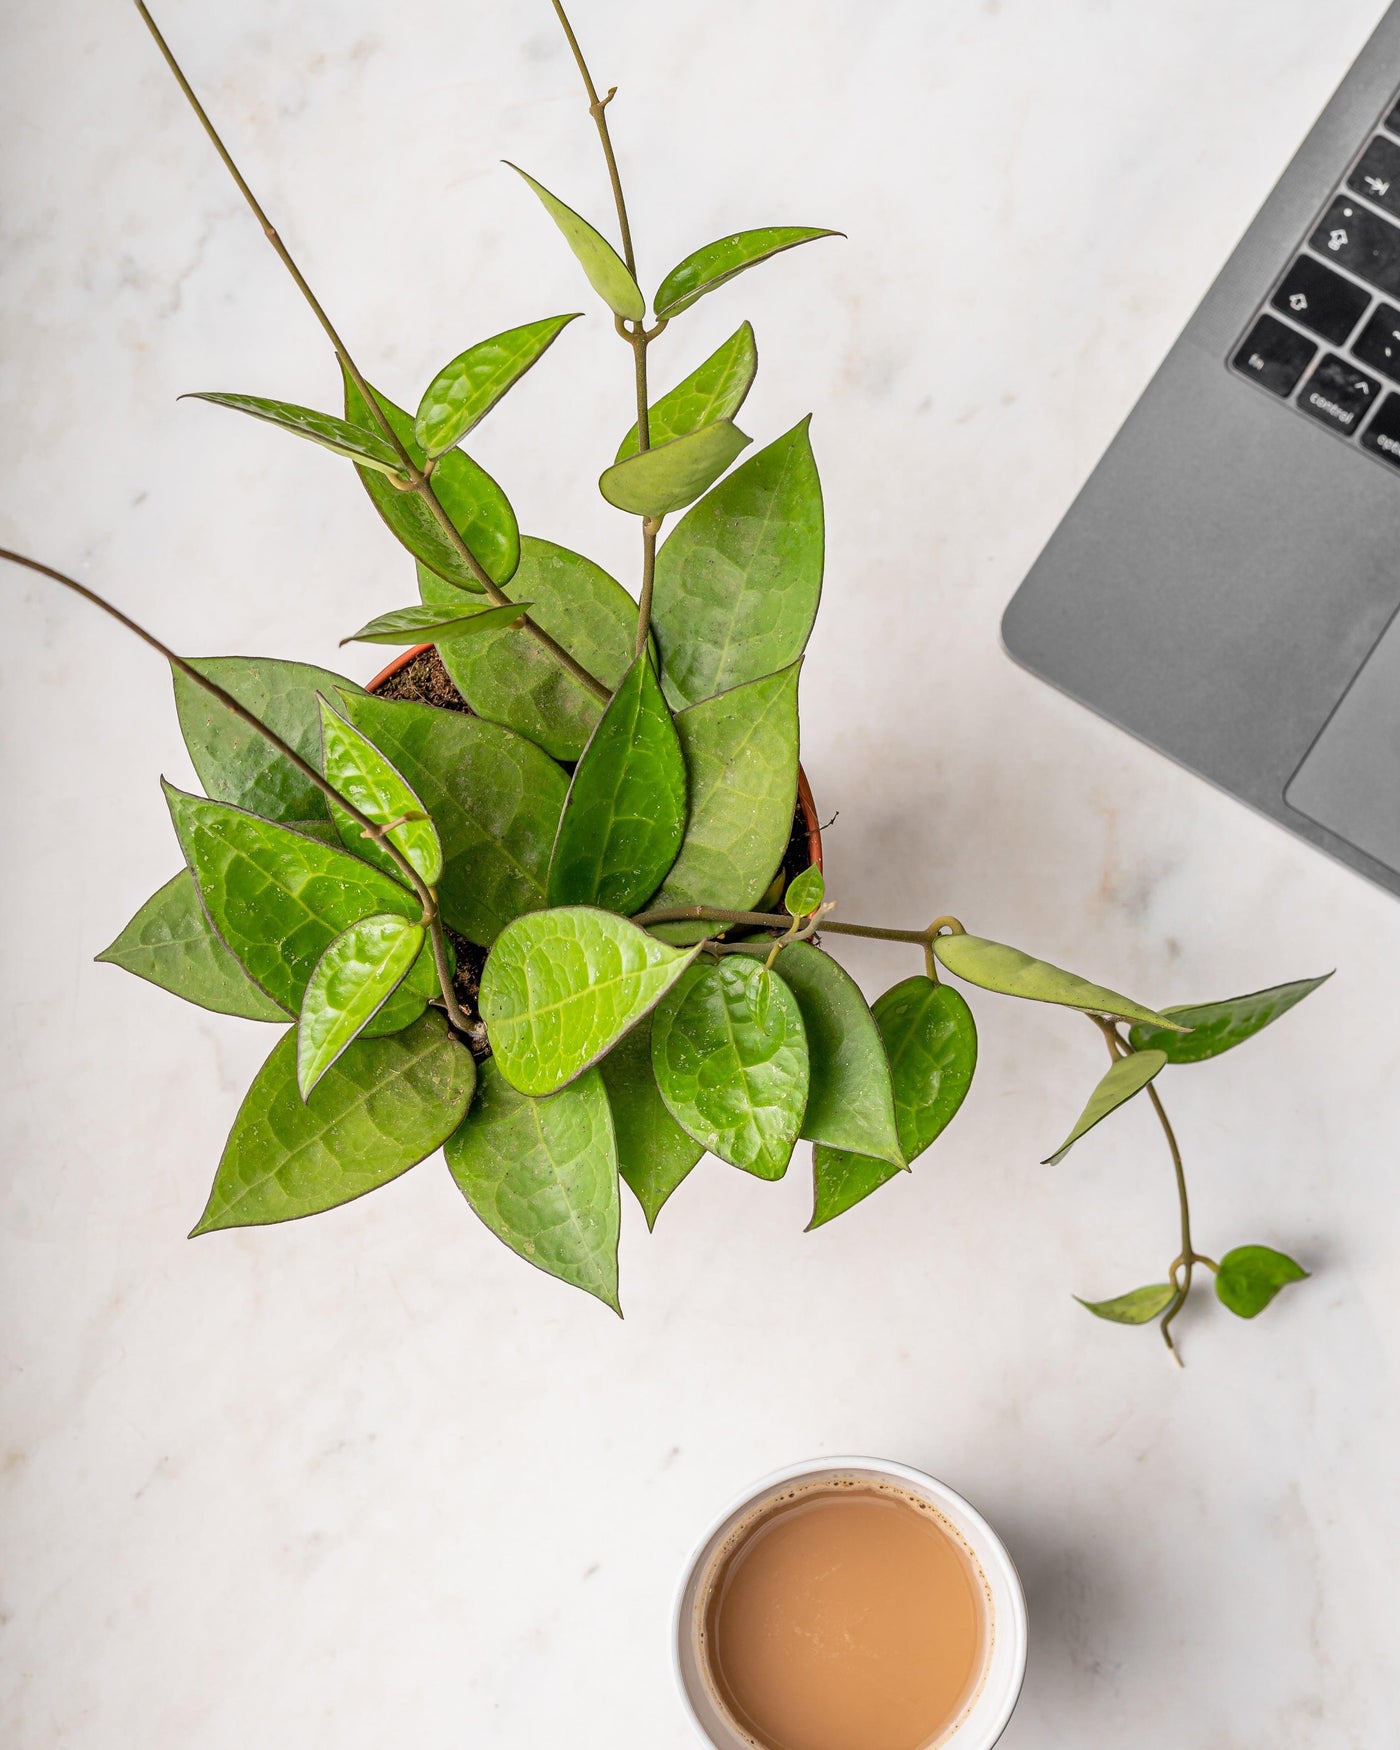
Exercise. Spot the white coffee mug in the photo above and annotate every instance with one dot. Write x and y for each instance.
(985, 1720)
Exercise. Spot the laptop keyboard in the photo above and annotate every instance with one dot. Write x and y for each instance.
(1328, 338)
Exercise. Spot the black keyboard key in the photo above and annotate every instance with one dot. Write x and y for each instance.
(1382, 435)
(1319, 299)
(1378, 343)
(1377, 177)
(1361, 242)
(1338, 394)
(1274, 356)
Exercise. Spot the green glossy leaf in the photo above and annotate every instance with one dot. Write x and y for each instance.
(734, 1081)
(805, 892)
(464, 391)
(625, 814)
(494, 797)
(741, 767)
(369, 780)
(721, 260)
(418, 624)
(1125, 1077)
(930, 1040)
(368, 449)
(542, 1175)
(277, 898)
(475, 506)
(506, 677)
(351, 983)
(171, 942)
(1250, 1277)
(672, 475)
(738, 582)
(234, 763)
(653, 1152)
(996, 967)
(384, 1106)
(606, 270)
(716, 390)
(1217, 1027)
(562, 986)
(1138, 1307)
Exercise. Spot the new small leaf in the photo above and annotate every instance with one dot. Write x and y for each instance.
(805, 892)
(721, 260)
(606, 270)
(1125, 1077)
(1138, 1307)
(1250, 1277)
(464, 391)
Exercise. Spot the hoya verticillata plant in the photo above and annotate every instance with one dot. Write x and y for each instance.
(547, 922)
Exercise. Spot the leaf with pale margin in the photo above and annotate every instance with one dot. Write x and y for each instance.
(170, 942)
(382, 1108)
(1250, 1277)
(234, 762)
(715, 390)
(464, 391)
(419, 624)
(351, 983)
(367, 778)
(625, 814)
(367, 449)
(741, 768)
(475, 505)
(733, 1081)
(672, 475)
(719, 261)
(739, 580)
(494, 797)
(653, 1153)
(994, 966)
(1125, 1077)
(606, 270)
(505, 676)
(930, 1040)
(1217, 1027)
(1138, 1307)
(805, 892)
(562, 986)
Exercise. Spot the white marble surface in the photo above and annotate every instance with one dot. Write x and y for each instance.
(369, 1480)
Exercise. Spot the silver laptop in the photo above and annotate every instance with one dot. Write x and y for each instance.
(1226, 585)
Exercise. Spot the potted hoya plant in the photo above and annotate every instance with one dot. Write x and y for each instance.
(548, 894)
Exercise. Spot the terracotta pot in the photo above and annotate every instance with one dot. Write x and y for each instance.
(806, 805)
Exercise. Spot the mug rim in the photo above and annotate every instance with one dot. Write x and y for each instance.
(987, 1545)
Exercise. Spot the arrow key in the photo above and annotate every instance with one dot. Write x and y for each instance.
(1338, 394)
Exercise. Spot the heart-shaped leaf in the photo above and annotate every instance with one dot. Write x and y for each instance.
(364, 777)
(997, 967)
(464, 391)
(494, 797)
(734, 1081)
(622, 823)
(560, 987)
(171, 943)
(653, 1152)
(606, 270)
(542, 1175)
(1250, 1277)
(930, 1039)
(419, 624)
(721, 260)
(1217, 1027)
(741, 769)
(738, 582)
(351, 982)
(475, 505)
(368, 449)
(235, 763)
(277, 898)
(716, 390)
(384, 1106)
(1125, 1077)
(1138, 1307)
(672, 475)
(505, 676)
(805, 892)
